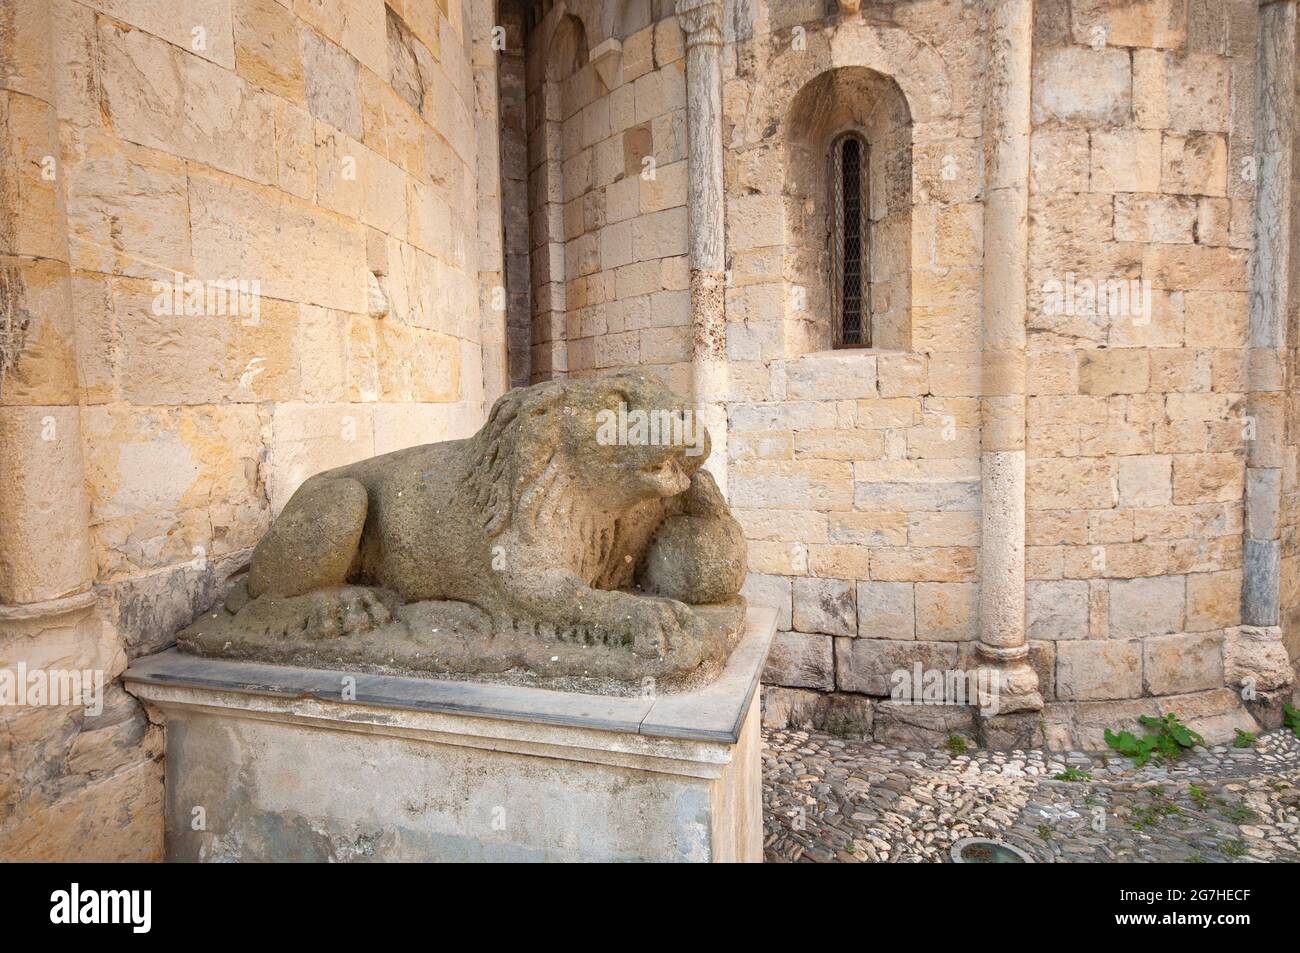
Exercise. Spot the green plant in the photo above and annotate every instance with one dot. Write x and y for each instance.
(1044, 832)
(1291, 719)
(1235, 848)
(1149, 815)
(957, 745)
(1244, 739)
(1239, 812)
(1166, 737)
(1198, 796)
(1145, 817)
(1072, 773)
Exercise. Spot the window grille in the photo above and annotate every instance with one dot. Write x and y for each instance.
(851, 283)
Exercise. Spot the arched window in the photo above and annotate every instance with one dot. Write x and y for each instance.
(850, 255)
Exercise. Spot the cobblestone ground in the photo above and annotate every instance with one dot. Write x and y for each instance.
(827, 799)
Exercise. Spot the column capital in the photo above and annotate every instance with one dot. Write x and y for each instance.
(701, 20)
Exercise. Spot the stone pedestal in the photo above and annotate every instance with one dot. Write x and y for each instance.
(268, 762)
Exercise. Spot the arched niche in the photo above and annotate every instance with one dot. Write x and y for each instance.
(856, 105)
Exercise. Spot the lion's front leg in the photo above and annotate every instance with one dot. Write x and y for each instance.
(555, 595)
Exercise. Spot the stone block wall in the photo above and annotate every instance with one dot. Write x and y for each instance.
(608, 198)
(324, 156)
(343, 155)
(856, 472)
(1138, 430)
(857, 475)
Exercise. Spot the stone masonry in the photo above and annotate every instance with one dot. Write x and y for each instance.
(325, 151)
(245, 241)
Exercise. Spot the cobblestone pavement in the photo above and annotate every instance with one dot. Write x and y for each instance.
(827, 799)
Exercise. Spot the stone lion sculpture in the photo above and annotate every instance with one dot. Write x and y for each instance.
(576, 534)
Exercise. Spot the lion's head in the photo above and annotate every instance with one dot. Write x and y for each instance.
(617, 440)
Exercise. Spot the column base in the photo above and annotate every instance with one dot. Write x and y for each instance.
(1017, 681)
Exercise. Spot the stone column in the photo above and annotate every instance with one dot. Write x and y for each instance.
(46, 568)
(493, 300)
(1255, 651)
(1002, 643)
(706, 222)
(550, 350)
(48, 617)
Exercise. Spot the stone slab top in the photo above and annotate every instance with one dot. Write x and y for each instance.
(712, 713)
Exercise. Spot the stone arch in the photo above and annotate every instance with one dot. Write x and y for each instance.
(871, 106)
(567, 49)
(915, 67)
(558, 57)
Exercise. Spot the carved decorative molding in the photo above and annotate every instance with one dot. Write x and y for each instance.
(607, 58)
(701, 20)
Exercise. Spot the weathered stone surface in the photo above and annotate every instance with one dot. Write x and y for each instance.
(1256, 657)
(695, 758)
(266, 48)
(886, 610)
(875, 666)
(1186, 662)
(1216, 714)
(761, 589)
(345, 154)
(1083, 726)
(824, 605)
(789, 707)
(1095, 669)
(921, 726)
(846, 716)
(1002, 732)
(514, 549)
(174, 141)
(1142, 607)
(1078, 84)
(1057, 609)
(798, 660)
(148, 610)
(946, 611)
(331, 84)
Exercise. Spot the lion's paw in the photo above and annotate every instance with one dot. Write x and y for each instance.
(346, 612)
(658, 626)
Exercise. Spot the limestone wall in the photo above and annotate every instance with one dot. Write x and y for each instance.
(324, 157)
(1144, 125)
(857, 474)
(607, 149)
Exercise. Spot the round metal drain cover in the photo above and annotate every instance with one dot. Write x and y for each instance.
(979, 850)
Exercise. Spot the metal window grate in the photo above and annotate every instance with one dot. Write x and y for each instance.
(851, 286)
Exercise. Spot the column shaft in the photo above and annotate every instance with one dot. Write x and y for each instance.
(706, 222)
(1002, 435)
(1266, 337)
(46, 569)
